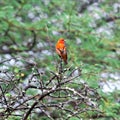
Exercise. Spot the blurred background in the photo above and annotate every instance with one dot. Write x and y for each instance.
(29, 30)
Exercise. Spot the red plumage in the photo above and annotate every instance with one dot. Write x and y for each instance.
(61, 49)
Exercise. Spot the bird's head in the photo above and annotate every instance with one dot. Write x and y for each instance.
(61, 40)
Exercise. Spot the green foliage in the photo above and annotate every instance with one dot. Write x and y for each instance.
(14, 118)
(51, 20)
(74, 118)
(110, 107)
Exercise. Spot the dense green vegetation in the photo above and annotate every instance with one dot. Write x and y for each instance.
(29, 30)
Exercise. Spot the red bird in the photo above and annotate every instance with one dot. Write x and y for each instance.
(61, 49)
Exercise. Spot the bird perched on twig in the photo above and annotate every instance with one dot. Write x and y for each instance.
(61, 50)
